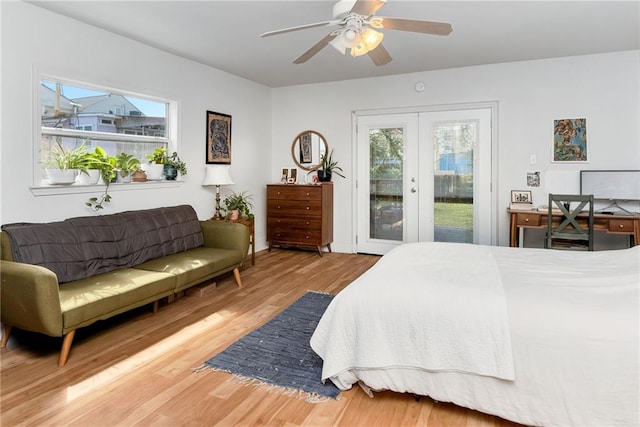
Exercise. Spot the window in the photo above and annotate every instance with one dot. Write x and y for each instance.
(73, 114)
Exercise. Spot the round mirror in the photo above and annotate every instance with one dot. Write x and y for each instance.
(308, 148)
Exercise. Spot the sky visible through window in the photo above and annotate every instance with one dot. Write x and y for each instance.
(149, 108)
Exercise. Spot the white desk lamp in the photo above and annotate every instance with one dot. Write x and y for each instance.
(217, 175)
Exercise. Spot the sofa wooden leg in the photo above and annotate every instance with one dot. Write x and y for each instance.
(66, 347)
(236, 274)
(155, 306)
(6, 331)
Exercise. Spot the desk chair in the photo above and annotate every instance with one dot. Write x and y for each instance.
(570, 233)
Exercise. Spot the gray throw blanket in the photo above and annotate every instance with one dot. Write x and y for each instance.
(82, 247)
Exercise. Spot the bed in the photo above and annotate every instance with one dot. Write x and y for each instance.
(536, 336)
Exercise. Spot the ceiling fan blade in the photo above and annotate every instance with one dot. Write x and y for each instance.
(315, 48)
(379, 55)
(367, 7)
(427, 27)
(300, 27)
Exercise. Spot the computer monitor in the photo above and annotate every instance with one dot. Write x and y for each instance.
(621, 185)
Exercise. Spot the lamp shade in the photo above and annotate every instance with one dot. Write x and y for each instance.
(217, 175)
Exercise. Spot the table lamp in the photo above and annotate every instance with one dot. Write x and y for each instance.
(217, 175)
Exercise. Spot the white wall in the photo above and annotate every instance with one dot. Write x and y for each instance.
(603, 88)
(37, 40)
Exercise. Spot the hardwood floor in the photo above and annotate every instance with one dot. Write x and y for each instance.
(136, 369)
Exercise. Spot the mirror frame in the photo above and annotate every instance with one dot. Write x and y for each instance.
(294, 156)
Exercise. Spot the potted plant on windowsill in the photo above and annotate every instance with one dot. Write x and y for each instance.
(328, 167)
(126, 165)
(169, 167)
(173, 165)
(155, 167)
(107, 165)
(238, 205)
(64, 165)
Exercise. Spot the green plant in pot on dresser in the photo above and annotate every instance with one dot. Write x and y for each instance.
(328, 167)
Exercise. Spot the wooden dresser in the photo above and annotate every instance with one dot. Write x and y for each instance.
(300, 215)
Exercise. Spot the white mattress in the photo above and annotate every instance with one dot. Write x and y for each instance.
(574, 324)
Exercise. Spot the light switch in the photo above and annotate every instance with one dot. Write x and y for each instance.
(532, 159)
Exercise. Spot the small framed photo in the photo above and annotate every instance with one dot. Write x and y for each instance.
(218, 138)
(284, 176)
(521, 196)
(293, 176)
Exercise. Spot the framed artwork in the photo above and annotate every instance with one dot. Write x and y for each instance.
(284, 176)
(533, 179)
(521, 196)
(218, 138)
(305, 148)
(293, 176)
(570, 140)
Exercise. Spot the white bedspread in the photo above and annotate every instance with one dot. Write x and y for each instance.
(574, 320)
(435, 315)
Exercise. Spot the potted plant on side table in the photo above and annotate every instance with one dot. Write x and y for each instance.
(238, 205)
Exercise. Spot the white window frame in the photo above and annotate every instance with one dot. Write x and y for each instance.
(39, 186)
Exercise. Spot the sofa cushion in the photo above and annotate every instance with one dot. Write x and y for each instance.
(86, 300)
(82, 247)
(195, 265)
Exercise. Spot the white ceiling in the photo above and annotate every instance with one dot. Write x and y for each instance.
(226, 34)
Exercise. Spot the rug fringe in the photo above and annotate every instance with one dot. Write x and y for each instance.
(320, 292)
(270, 388)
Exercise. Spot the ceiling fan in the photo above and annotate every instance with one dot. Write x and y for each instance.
(357, 32)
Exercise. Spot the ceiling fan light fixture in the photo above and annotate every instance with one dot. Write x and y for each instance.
(348, 38)
(369, 40)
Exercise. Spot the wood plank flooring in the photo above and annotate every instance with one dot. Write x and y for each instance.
(136, 369)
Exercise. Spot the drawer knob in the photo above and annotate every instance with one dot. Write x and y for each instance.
(278, 206)
(621, 225)
(308, 194)
(525, 220)
(307, 207)
(306, 237)
(278, 193)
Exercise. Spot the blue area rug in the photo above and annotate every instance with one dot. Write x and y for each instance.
(278, 353)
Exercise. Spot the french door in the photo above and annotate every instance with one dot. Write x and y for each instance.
(424, 176)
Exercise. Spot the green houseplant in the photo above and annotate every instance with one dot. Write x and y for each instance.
(107, 165)
(63, 165)
(328, 167)
(240, 203)
(171, 164)
(126, 165)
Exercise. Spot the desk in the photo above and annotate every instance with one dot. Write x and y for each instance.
(613, 224)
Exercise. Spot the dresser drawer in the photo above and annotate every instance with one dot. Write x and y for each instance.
(526, 219)
(621, 225)
(289, 235)
(276, 222)
(289, 192)
(294, 207)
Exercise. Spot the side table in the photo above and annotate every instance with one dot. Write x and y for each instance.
(249, 222)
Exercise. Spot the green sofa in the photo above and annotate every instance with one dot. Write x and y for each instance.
(60, 276)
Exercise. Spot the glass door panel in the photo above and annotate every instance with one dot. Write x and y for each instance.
(386, 153)
(453, 144)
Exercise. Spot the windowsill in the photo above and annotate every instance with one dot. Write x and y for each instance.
(53, 190)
